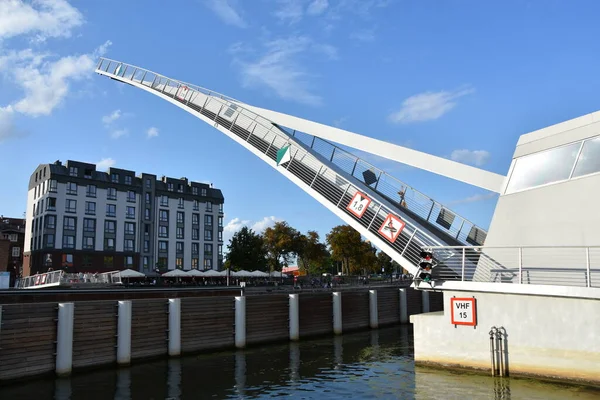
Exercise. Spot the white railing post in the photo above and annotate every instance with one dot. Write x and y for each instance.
(124, 332)
(174, 327)
(240, 322)
(337, 313)
(520, 265)
(425, 301)
(587, 267)
(64, 339)
(373, 312)
(294, 317)
(463, 264)
(403, 307)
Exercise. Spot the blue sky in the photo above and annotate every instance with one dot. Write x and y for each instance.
(458, 79)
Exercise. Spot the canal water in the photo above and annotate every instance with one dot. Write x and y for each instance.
(366, 365)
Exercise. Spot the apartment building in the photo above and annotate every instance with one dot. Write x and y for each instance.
(80, 219)
(12, 237)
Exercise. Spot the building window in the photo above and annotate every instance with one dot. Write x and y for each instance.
(221, 208)
(180, 188)
(131, 196)
(67, 260)
(164, 201)
(114, 178)
(90, 207)
(208, 234)
(148, 183)
(129, 228)
(146, 263)
(195, 219)
(109, 244)
(162, 263)
(220, 236)
(129, 244)
(50, 221)
(110, 226)
(87, 173)
(89, 225)
(146, 230)
(207, 263)
(180, 216)
(147, 214)
(111, 210)
(195, 234)
(147, 198)
(69, 223)
(51, 204)
(195, 191)
(88, 242)
(204, 192)
(108, 261)
(194, 263)
(68, 242)
(179, 233)
(111, 193)
(220, 222)
(71, 188)
(163, 215)
(86, 260)
(208, 248)
(163, 246)
(146, 246)
(179, 247)
(16, 251)
(220, 250)
(170, 187)
(90, 191)
(179, 263)
(53, 186)
(73, 171)
(163, 231)
(180, 204)
(195, 248)
(196, 205)
(208, 206)
(130, 212)
(128, 180)
(208, 220)
(49, 240)
(70, 206)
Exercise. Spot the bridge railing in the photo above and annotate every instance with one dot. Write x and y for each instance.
(53, 278)
(395, 190)
(560, 266)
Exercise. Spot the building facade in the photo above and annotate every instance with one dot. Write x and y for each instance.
(84, 220)
(12, 238)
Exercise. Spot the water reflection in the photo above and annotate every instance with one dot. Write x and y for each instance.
(374, 364)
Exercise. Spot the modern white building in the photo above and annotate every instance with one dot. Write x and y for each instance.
(86, 220)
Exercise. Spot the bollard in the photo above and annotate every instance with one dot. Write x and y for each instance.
(403, 307)
(294, 317)
(337, 313)
(240, 322)
(124, 333)
(425, 300)
(64, 339)
(174, 327)
(373, 317)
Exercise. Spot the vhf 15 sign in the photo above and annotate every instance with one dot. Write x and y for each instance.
(464, 311)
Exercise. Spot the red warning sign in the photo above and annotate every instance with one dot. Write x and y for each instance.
(359, 204)
(391, 227)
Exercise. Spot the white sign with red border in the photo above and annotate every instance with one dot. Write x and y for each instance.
(359, 204)
(391, 227)
(463, 311)
(182, 92)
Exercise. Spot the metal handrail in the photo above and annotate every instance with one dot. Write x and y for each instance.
(434, 205)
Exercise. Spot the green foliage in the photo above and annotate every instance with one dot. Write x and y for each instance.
(246, 251)
(312, 254)
(357, 256)
(384, 263)
(280, 241)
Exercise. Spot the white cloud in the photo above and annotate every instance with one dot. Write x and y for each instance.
(227, 11)
(105, 164)
(317, 7)
(42, 18)
(338, 122)
(116, 134)
(427, 106)
(236, 224)
(112, 117)
(152, 132)
(475, 157)
(290, 10)
(363, 35)
(280, 71)
(473, 199)
(330, 51)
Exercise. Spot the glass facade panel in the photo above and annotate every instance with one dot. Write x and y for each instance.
(589, 159)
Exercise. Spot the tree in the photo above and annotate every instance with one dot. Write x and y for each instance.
(246, 251)
(281, 241)
(344, 241)
(312, 254)
(384, 263)
(366, 258)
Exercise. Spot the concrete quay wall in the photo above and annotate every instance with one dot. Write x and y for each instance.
(544, 336)
(53, 337)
